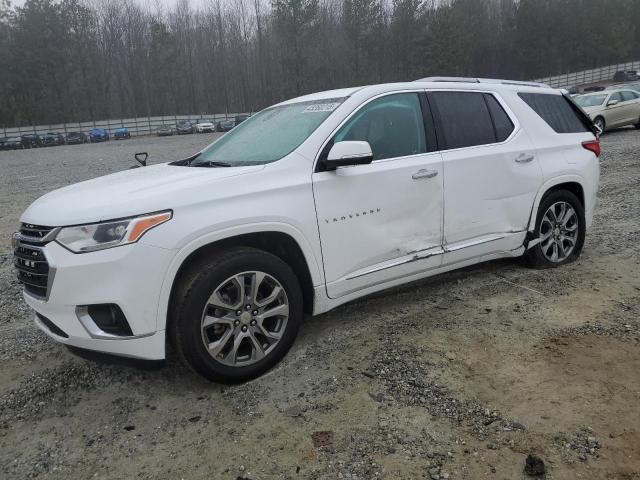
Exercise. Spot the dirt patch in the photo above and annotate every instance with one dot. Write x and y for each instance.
(461, 376)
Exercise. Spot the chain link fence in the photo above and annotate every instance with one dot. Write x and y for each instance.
(589, 76)
(136, 126)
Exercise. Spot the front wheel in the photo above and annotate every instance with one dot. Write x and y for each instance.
(600, 124)
(560, 231)
(236, 314)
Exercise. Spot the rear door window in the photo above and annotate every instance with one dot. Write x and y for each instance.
(628, 95)
(556, 110)
(464, 118)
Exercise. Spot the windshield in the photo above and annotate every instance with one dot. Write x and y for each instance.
(269, 135)
(590, 100)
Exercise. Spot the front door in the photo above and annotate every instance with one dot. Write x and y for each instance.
(615, 114)
(382, 221)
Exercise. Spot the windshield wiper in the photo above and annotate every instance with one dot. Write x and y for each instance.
(211, 163)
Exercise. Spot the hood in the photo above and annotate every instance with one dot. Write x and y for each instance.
(123, 194)
(205, 124)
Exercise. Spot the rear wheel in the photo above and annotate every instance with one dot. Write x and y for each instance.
(560, 231)
(236, 314)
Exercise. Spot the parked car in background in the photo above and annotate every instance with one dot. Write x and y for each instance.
(204, 126)
(121, 133)
(225, 125)
(626, 76)
(51, 139)
(315, 202)
(184, 127)
(593, 88)
(31, 140)
(635, 86)
(164, 131)
(74, 138)
(98, 135)
(241, 118)
(611, 109)
(11, 143)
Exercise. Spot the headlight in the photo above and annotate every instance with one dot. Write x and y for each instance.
(98, 236)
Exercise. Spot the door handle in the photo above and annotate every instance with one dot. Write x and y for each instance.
(524, 158)
(424, 174)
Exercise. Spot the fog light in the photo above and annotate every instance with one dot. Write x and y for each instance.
(109, 318)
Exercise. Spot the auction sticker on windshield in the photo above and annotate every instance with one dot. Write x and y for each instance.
(322, 107)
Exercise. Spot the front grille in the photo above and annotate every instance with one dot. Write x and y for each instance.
(30, 261)
(34, 231)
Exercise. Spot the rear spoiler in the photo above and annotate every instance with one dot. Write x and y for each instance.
(584, 118)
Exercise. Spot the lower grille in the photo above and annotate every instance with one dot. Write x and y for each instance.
(53, 328)
(30, 261)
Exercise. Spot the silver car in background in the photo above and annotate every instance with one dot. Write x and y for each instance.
(611, 108)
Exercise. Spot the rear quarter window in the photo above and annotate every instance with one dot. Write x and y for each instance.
(501, 121)
(556, 110)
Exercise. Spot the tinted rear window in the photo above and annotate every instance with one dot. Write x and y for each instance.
(556, 111)
(464, 118)
(501, 121)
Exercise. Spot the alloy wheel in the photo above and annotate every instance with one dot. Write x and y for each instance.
(244, 318)
(558, 232)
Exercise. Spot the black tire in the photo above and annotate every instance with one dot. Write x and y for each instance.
(191, 296)
(534, 257)
(601, 119)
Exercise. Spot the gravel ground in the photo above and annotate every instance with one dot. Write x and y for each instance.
(461, 376)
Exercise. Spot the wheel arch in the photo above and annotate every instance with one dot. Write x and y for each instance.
(281, 240)
(571, 183)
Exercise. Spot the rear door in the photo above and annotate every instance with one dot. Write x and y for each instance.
(491, 174)
(631, 107)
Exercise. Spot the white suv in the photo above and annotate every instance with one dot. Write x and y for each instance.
(307, 205)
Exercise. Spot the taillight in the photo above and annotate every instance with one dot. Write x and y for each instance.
(592, 146)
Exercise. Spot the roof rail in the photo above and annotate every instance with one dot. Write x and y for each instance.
(450, 79)
(483, 80)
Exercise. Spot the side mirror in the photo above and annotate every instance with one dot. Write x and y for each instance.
(141, 158)
(611, 103)
(349, 153)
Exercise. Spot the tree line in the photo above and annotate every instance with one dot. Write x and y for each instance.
(73, 60)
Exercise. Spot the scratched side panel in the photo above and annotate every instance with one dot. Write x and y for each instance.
(373, 214)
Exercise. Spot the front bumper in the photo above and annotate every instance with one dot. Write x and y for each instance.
(130, 276)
